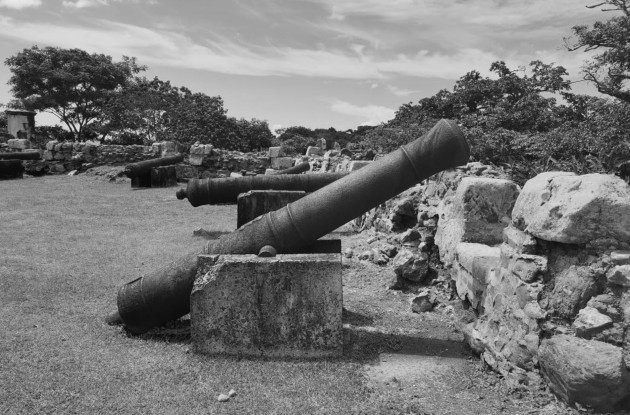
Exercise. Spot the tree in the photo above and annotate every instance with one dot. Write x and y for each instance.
(253, 134)
(138, 110)
(199, 117)
(69, 83)
(512, 100)
(610, 69)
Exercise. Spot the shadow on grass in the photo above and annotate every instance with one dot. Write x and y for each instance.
(365, 344)
(361, 342)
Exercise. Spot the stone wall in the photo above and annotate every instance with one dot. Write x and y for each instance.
(552, 293)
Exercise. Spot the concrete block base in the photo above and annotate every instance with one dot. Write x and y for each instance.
(164, 176)
(283, 306)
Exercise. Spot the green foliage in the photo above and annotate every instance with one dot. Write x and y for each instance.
(385, 139)
(199, 117)
(136, 111)
(252, 135)
(69, 83)
(610, 69)
(3, 118)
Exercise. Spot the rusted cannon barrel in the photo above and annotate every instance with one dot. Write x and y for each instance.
(297, 169)
(226, 190)
(23, 155)
(144, 167)
(164, 295)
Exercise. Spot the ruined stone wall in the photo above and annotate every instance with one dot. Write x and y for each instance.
(549, 279)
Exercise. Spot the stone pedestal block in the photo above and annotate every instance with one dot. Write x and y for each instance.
(11, 169)
(258, 202)
(275, 152)
(283, 306)
(281, 163)
(141, 180)
(312, 151)
(164, 176)
(357, 164)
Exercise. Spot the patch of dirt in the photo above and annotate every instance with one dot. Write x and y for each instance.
(421, 359)
(113, 174)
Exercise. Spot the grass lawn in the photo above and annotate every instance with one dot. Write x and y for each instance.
(68, 243)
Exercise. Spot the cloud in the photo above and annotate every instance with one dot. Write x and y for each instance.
(81, 4)
(219, 54)
(502, 12)
(400, 92)
(370, 114)
(20, 4)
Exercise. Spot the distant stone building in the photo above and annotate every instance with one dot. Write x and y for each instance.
(20, 123)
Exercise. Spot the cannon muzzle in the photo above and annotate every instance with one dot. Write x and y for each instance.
(226, 190)
(164, 295)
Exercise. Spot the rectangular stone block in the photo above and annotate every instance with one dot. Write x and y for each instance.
(620, 257)
(49, 155)
(254, 203)
(196, 149)
(313, 151)
(518, 240)
(283, 306)
(275, 152)
(281, 163)
(141, 180)
(168, 148)
(478, 259)
(527, 267)
(11, 169)
(51, 145)
(195, 159)
(163, 176)
(19, 143)
(357, 164)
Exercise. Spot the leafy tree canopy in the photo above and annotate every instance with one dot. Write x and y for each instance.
(69, 83)
(610, 69)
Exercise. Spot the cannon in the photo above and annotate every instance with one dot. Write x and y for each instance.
(226, 190)
(297, 169)
(153, 173)
(23, 155)
(164, 295)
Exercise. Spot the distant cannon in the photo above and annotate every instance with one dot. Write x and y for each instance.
(23, 155)
(164, 295)
(226, 190)
(297, 169)
(158, 172)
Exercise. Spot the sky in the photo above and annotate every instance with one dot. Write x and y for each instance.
(314, 63)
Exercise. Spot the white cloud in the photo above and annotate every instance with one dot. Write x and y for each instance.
(20, 4)
(399, 92)
(370, 114)
(501, 12)
(80, 4)
(219, 54)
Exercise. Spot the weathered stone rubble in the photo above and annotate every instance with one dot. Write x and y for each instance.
(553, 292)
